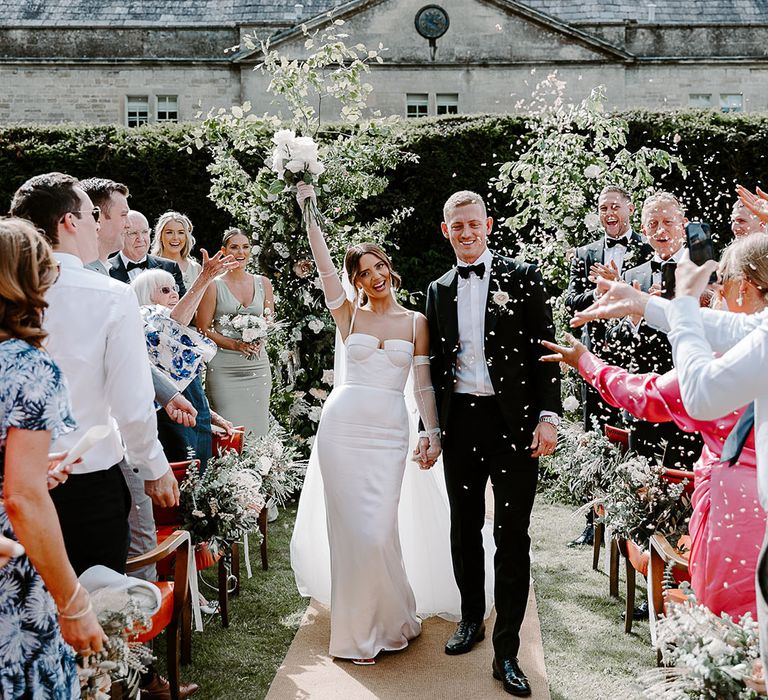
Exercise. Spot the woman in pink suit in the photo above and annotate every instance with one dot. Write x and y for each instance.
(728, 524)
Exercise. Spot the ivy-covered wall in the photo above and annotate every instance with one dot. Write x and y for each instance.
(454, 153)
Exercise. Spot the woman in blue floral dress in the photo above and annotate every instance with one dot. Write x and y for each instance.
(35, 660)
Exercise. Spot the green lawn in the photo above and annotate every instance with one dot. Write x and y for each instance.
(587, 654)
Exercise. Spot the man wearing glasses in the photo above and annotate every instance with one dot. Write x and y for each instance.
(133, 258)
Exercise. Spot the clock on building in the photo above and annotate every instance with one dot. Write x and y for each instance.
(432, 22)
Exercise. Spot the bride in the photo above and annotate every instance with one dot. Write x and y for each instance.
(359, 459)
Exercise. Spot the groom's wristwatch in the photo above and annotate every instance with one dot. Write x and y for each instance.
(553, 420)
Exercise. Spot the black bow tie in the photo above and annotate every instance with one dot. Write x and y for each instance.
(478, 269)
(656, 265)
(136, 265)
(611, 242)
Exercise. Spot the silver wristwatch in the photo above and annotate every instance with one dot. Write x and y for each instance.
(554, 420)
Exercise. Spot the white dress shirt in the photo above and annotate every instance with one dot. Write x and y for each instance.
(472, 376)
(713, 387)
(97, 339)
(136, 271)
(616, 253)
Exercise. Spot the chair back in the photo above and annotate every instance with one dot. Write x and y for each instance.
(172, 516)
(677, 476)
(618, 436)
(223, 442)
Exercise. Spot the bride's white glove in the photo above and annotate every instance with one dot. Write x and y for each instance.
(429, 447)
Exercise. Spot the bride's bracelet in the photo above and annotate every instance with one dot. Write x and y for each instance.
(71, 600)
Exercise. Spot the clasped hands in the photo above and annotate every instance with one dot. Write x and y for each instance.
(427, 451)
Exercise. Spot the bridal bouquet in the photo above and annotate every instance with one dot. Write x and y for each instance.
(710, 656)
(119, 615)
(222, 504)
(295, 159)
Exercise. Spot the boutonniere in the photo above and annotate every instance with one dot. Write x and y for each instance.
(629, 254)
(501, 298)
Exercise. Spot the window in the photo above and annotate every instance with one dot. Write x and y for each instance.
(167, 108)
(137, 110)
(447, 103)
(416, 104)
(731, 103)
(700, 100)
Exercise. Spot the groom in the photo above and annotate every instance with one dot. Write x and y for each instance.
(498, 408)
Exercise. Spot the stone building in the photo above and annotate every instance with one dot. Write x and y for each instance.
(103, 62)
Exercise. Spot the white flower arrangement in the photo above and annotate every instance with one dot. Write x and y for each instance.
(571, 404)
(316, 325)
(706, 655)
(119, 615)
(223, 503)
(592, 171)
(592, 221)
(250, 328)
(295, 159)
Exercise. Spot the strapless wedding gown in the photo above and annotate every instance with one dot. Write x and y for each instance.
(346, 547)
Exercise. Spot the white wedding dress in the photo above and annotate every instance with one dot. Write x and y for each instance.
(372, 535)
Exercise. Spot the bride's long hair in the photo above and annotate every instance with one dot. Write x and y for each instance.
(352, 266)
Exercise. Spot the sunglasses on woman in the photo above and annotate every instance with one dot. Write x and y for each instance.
(168, 290)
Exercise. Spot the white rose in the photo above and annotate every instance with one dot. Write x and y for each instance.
(592, 221)
(284, 137)
(328, 377)
(265, 464)
(592, 171)
(501, 297)
(251, 335)
(281, 249)
(570, 404)
(628, 255)
(569, 221)
(316, 325)
(319, 394)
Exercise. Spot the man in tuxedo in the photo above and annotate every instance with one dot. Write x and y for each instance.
(133, 258)
(744, 222)
(646, 349)
(498, 408)
(617, 249)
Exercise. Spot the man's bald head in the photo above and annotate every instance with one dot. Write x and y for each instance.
(136, 236)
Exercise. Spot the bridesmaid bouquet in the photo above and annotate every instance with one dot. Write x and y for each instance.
(249, 328)
(295, 159)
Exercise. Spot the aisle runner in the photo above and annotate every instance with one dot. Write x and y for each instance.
(421, 671)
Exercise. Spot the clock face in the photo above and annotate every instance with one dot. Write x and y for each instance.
(432, 21)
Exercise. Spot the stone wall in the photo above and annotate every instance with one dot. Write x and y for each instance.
(96, 94)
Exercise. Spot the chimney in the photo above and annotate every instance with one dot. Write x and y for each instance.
(651, 12)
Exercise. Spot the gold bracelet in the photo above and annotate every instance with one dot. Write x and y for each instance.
(78, 587)
(88, 609)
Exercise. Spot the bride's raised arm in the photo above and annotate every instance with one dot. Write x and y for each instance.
(335, 296)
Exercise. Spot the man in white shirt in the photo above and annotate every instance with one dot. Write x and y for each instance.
(498, 408)
(96, 338)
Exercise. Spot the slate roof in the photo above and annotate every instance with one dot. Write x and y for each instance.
(218, 12)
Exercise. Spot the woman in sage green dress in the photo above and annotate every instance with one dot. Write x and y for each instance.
(239, 378)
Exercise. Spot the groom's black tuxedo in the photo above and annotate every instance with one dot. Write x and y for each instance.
(118, 271)
(489, 436)
(523, 386)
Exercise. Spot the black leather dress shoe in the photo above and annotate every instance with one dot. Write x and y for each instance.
(512, 678)
(640, 612)
(467, 634)
(585, 538)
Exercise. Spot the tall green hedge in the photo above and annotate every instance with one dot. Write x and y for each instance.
(459, 152)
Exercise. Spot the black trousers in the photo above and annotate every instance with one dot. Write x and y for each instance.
(479, 445)
(93, 513)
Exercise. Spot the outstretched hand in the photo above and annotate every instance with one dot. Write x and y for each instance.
(544, 440)
(756, 203)
(616, 300)
(217, 264)
(569, 354)
(692, 279)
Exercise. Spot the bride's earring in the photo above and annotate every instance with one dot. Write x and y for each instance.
(360, 296)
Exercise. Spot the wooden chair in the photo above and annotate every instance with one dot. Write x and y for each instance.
(174, 613)
(169, 519)
(663, 554)
(620, 437)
